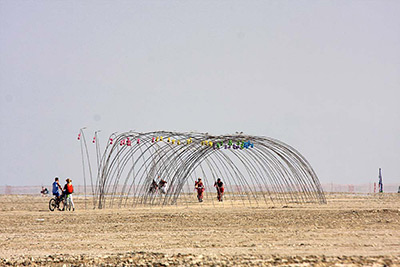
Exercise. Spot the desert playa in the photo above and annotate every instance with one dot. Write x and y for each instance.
(351, 229)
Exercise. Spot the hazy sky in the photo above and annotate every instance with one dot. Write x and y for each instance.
(322, 76)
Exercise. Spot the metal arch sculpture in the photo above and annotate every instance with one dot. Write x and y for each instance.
(254, 169)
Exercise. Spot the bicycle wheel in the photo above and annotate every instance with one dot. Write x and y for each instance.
(52, 204)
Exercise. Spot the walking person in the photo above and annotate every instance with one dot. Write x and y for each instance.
(153, 187)
(199, 186)
(219, 185)
(162, 186)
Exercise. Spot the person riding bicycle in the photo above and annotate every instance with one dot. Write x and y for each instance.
(67, 192)
(56, 188)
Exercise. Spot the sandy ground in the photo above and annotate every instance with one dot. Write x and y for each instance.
(351, 229)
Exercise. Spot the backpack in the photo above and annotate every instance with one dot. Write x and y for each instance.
(70, 189)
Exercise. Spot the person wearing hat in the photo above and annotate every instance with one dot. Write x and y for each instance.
(199, 186)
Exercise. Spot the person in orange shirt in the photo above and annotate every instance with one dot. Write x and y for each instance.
(199, 186)
(68, 190)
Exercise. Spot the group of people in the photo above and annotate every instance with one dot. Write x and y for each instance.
(161, 186)
(199, 187)
(66, 191)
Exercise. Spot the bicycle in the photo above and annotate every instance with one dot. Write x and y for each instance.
(55, 203)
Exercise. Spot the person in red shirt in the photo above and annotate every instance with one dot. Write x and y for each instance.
(199, 186)
(68, 190)
(220, 189)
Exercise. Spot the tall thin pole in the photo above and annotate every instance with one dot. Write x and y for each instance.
(97, 143)
(83, 164)
(88, 161)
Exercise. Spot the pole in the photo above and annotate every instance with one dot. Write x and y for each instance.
(83, 165)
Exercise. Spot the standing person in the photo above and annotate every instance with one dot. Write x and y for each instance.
(56, 188)
(199, 186)
(153, 187)
(68, 190)
(161, 185)
(220, 189)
